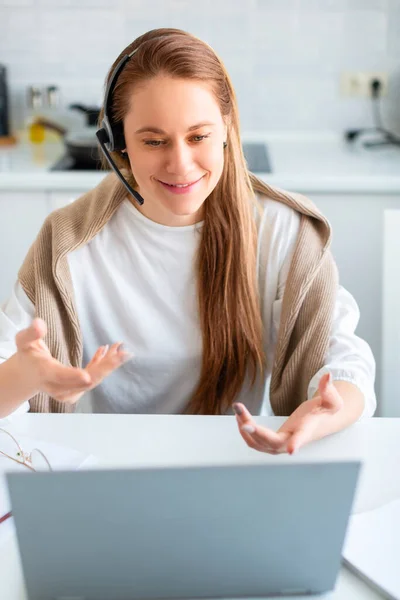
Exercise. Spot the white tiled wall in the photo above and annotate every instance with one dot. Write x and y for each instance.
(284, 56)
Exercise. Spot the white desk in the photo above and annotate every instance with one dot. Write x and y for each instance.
(132, 440)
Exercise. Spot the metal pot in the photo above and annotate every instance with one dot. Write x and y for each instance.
(81, 146)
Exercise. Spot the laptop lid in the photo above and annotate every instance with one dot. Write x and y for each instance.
(183, 532)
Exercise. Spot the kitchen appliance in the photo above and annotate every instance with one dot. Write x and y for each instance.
(256, 154)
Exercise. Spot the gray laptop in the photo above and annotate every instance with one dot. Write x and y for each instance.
(183, 532)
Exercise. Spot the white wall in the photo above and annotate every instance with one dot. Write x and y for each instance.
(284, 56)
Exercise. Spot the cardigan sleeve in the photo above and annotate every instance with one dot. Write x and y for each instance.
(349, 357)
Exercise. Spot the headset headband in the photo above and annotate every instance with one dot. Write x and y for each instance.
(111, 135)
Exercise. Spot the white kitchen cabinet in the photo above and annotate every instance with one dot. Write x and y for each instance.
(391, 314)
(358, 245)
(21, 216)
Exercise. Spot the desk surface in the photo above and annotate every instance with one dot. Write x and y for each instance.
(149, 440)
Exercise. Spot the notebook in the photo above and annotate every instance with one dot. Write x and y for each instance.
(372, 548)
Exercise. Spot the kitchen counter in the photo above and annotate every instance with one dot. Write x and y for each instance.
(308, 163)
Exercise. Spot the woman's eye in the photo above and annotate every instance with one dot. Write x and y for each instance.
(157, 143)
(153, 143)
(199, 138)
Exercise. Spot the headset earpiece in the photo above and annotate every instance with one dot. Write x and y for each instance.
(119, 137)
(107, 134)
(111, 135)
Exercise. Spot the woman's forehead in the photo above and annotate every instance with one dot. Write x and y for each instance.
(165, 102)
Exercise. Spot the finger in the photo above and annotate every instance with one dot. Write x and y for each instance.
(247, 437)
(98, 355)
(297, 440)
(36, 331)
(123, 351)
(263, 436)
(244, 422)
(250, 440)
(116, 356)
(330, 397)
(115, 349)
(244, 417)
(96, 370)
(256, 436)
(270, 438)
(115, 352)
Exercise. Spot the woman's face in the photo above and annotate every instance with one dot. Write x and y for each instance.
(174, 134)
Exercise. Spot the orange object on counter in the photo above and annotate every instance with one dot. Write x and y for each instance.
(8, 140)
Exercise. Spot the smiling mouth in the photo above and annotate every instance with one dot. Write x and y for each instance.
(180, 185)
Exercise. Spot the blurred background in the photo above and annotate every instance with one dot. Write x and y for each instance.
(318, 87)
(286, 58)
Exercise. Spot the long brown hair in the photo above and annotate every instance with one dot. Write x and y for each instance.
(228, 300)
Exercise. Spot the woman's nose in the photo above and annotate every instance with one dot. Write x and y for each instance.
(179, 159)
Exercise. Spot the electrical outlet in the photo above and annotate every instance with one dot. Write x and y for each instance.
(358, 83)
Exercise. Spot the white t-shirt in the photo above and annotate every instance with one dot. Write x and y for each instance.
(134, 282)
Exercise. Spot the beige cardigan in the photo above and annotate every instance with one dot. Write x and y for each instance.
(307, 308)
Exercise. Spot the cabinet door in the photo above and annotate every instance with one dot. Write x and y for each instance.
(391, 315)
(357, 222)
(21, 217)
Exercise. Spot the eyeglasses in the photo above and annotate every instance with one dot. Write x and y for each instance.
(10, 448)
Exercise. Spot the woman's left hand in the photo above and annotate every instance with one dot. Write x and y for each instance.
(303, 425)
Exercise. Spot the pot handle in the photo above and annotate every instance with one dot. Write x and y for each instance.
(91, 112)
(50, 125)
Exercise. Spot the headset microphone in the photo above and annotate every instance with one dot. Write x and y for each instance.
(111, 135)
(101, 135)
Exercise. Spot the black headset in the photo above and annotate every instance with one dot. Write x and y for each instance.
(111, 135)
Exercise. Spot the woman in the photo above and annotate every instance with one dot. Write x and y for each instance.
(223, 288)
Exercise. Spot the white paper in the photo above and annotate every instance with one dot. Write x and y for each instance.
(60, 458)
(372, 546)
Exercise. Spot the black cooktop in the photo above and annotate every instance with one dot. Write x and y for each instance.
(67, 163)
(256, 154)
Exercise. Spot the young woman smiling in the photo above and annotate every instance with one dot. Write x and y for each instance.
(221, 288)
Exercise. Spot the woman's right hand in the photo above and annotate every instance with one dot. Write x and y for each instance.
(46, 374)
